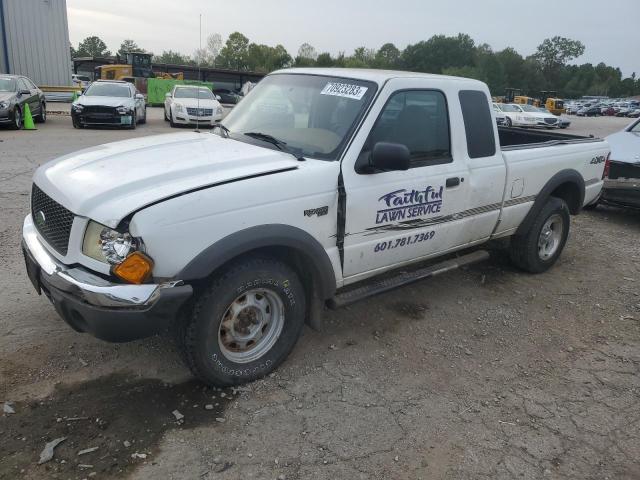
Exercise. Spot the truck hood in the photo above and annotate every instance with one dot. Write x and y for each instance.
(108, 182)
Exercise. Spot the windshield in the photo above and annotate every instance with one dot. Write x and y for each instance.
(508, 108)
(108, 90)
(204, 93)
(314, 115)
(7, 85)
(529, 108)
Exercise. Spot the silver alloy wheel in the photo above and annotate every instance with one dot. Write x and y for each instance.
(43, 112)
(17, 118)
(550, 237)
(251, 325)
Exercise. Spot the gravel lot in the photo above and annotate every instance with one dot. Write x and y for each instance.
(484, 373)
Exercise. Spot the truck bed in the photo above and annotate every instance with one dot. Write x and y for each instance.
(516, 138)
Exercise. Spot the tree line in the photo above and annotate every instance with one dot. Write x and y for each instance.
(549, 68)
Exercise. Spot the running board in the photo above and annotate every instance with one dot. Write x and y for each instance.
(405, 278)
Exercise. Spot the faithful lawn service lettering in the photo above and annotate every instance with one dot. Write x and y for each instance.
(346, 90)
(406, 204)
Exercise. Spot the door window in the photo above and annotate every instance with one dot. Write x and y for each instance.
(419, 120)
(22, 85)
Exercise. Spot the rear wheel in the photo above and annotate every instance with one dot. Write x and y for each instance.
(42, 117)
(539, 248)
(508, 122)
(245, 323)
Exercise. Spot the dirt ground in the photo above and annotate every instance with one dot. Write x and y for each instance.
(483, 373)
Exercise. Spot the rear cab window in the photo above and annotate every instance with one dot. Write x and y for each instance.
(478, 125)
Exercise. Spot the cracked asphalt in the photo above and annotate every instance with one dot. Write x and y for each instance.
(483, 373)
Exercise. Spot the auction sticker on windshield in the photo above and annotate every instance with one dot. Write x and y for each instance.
(344, 90)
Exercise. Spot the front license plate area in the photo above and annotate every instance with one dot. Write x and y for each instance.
(126, 120)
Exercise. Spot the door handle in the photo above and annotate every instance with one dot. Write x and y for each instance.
(453, 182)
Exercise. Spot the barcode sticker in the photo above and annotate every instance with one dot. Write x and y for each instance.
(346, 90)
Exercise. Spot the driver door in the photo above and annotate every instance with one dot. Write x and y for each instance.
(397, 217)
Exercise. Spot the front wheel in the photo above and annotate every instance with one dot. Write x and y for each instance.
(539, 248)
(17, 119)
(245, 323)
(508, 122)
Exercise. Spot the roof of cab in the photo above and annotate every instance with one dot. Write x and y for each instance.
(372, 75)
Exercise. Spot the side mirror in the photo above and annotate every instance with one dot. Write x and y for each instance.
(139, 96)
(167, 95)
(25, 92)
(218, 97)
(390, 156)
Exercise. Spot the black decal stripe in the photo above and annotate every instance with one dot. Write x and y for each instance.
(427, 222)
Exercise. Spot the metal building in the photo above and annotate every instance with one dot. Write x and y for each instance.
(34, 40)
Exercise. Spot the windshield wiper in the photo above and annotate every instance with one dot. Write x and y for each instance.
(279, 144)
(223, 128)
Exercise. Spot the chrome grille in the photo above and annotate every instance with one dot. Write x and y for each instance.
(52, 220)
(550, 120)
(200, 112)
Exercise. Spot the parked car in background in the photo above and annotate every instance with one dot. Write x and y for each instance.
(514, 116)
(634, 113)
(81, 81)
(624, 111)
(589, 112)
(541, 117)
(609, 110)
(562, 122)
(188, 105)
(501, 118)
(227, 96)
(17, 91)
(109, 103)
(622, 171)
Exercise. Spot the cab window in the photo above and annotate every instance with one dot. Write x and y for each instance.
(418, 119)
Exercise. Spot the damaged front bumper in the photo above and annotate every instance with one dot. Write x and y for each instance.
(114, 312)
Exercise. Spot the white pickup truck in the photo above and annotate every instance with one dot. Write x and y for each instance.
(318, 180)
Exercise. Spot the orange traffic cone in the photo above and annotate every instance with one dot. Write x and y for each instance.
(28, 119)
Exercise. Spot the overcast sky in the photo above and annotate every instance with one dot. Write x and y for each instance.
(609, 29)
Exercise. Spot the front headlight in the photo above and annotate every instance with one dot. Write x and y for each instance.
(179, 107)
(4, 105)
(123, 110)
(107, 245)
(219, 111)
(77, 107)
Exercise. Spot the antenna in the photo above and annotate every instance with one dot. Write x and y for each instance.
(199, 80)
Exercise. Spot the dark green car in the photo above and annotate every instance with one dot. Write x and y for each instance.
(17, 91)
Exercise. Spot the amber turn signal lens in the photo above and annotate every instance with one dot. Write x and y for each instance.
(136, 268)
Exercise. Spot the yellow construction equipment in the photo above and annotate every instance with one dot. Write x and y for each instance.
(134, 67)
(524, 100)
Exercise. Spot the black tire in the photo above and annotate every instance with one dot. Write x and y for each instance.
(508, 122)
(143, 120)
(166, 119)
(134, 121)
(17, 119)
(203, 334)
(524, 249)
(171, 122)
(42, 116)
